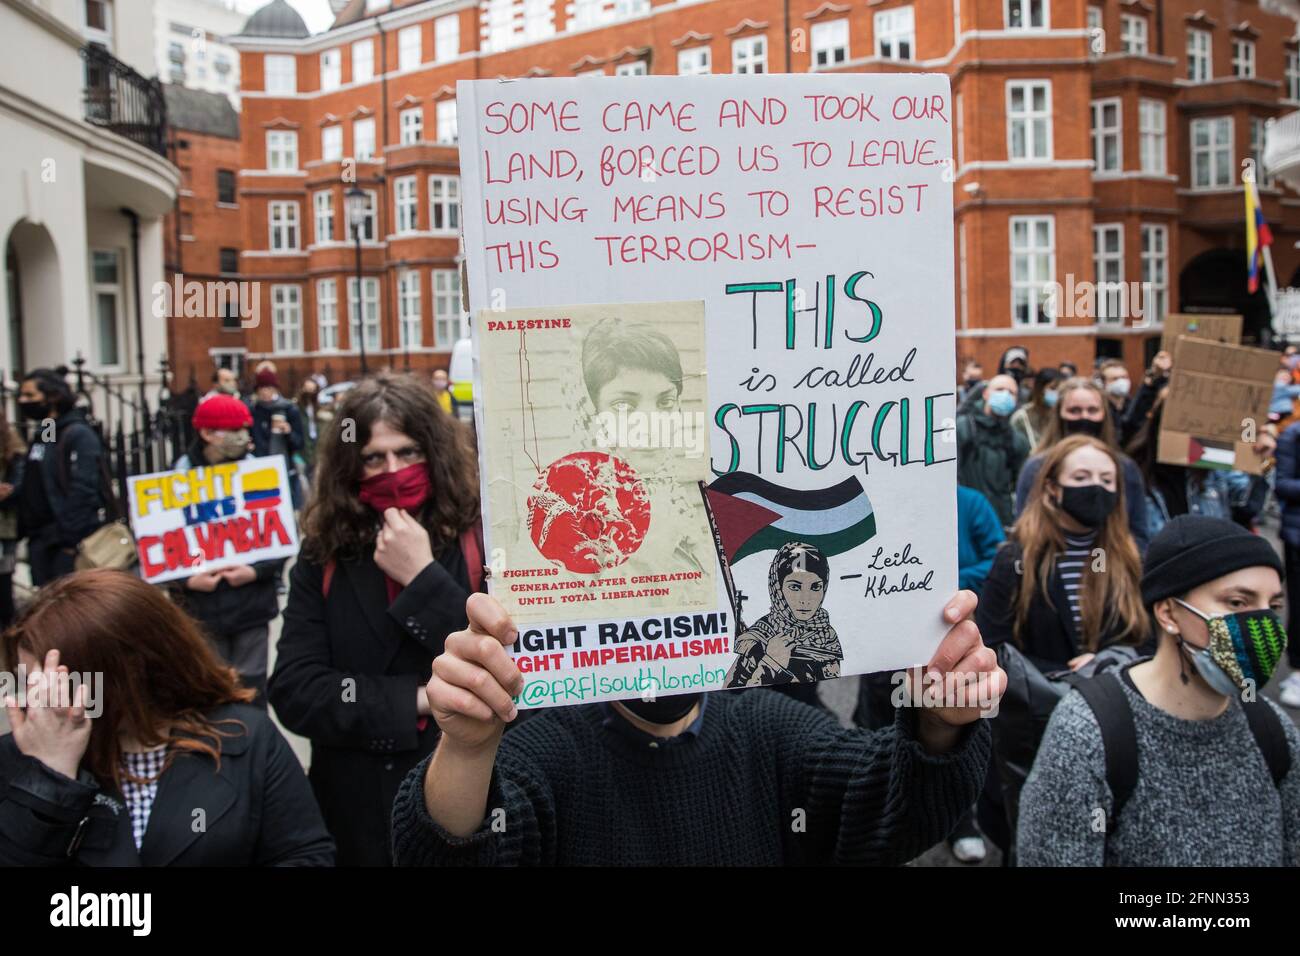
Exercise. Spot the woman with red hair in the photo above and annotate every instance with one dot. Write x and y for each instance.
(134, 745)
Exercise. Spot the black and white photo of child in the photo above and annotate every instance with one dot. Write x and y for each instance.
(794, 641)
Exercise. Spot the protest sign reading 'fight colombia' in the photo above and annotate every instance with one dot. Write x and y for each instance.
(713, 339)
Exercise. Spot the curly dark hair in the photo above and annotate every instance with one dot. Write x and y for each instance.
(336, 525)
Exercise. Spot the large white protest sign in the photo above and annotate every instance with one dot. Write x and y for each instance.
(811, 218)
(199, 519)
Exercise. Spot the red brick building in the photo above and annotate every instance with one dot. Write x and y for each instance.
(1092, 142)
(202, 238)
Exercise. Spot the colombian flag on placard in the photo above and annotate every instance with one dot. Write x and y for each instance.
(1258, 235)
(262, 489)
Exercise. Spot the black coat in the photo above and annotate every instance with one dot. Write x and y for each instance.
(258, 809)
(347, 669)
(70, 475)
(1048, 638)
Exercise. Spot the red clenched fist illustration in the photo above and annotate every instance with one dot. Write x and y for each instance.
(589, 511)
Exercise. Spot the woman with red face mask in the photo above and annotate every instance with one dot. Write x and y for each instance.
(392, 548)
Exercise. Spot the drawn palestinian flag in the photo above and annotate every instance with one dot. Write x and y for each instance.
(754, 515)
(261, 489)
(1208, 453)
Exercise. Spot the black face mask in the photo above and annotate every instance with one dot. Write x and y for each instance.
(1090, 505)
(1082, 426)
(1017, 373)
(663, 710)
(33, 411)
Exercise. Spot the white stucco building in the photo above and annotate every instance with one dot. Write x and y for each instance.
(83, 189)
(188, 45)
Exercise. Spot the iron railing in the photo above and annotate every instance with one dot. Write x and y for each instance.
(120, 99)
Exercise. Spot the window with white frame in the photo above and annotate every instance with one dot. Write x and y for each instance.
(444, 112)
(363, 61)
(368, 218)
(635, 68)
(284, 226)
(331, 69)
(500, 24)
(107, 290)
(1026, 14)
(405, 203)
(588, 13)
(410, 125)
(446, 38)
(1198, 56)
(1133, 33)
(1095, 32)
(281, 73)
(1108, 265)
(1212, 152)
(446, 308)
(409, 48)
(1258, 131)
(830, 42)
(331, 143)
(896, 34)
(327, 315)
(444, 203)
(1155, 272)
(1152, 144)
(749, 55)
(1029, 120)
(322, 205)
(369, 312)
(363, 138)
(1293, 75)
(408, 310)
(281, 149)
(696, 61)
(98, 24)
(1033, 267)
(286, 318)
(1106, 136)
(539, 21)
(1243, 58)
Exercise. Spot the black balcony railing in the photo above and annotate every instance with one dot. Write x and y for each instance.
(120, 99)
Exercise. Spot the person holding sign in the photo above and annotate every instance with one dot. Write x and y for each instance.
(133, 745)
(1175, 760)
(603, 784)
(391, 549)
(235, 603)
(1066, 585)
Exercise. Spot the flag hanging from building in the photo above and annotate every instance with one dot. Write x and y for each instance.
(1258, 235)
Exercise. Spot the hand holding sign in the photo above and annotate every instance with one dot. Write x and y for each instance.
(474, 678)
(204, 581)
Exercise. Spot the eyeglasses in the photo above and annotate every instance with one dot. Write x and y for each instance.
(407, 455)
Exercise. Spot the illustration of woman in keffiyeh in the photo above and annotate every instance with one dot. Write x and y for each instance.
(794, 641)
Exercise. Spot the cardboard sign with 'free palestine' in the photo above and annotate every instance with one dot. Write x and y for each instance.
(714, 357)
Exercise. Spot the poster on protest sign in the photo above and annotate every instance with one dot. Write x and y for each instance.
(1216, 328)
(193, 520)
(1218, 400)
(807, 221)
(595, 487)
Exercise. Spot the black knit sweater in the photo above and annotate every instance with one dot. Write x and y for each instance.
(768, 780)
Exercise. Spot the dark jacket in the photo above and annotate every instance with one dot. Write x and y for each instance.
(229, 610)
(990, 454)
(347, 669)
(1287, 484)
(1048, 639)
(1135, 497)
(14, 472)
(257, 809)
(69, 470)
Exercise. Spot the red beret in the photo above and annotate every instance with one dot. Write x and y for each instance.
(223, 412)
(266, 377)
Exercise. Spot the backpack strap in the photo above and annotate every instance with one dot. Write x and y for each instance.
(1269, 737)
(327, 577)
(1105, 695)
(471, 545)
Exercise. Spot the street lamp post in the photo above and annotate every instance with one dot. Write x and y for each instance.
(357, 205)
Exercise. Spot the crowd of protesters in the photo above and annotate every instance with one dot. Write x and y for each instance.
(1112, 602)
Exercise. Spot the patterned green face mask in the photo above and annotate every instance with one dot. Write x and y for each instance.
(1245, 646)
